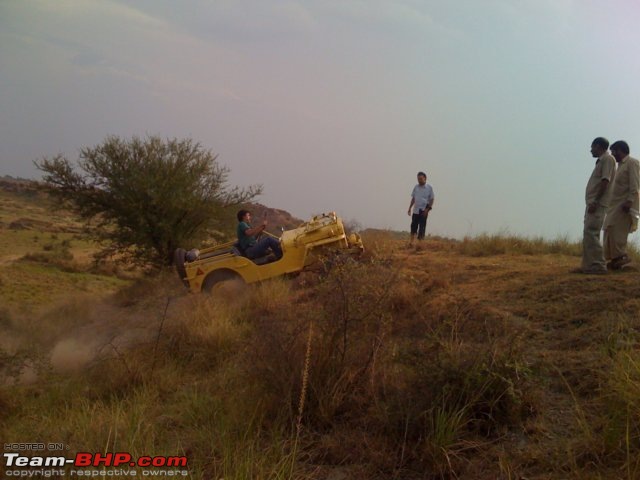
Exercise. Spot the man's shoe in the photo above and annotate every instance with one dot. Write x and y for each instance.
(618, 263)
(624, 261)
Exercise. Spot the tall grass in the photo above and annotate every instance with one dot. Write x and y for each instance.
(357, 371)
(246, 385)
(621, 398)
(607, 421)
(507, 244)
(424, 394)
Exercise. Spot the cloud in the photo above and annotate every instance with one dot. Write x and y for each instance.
(380, 12)
(87, 35)
(246, 22)
(395, 18)
(84, 9)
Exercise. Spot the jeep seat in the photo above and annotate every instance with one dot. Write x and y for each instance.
(236, 250)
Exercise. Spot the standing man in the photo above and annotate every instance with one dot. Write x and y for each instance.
(597, 199)
(422, 202)
(251, 247)
(624, 198)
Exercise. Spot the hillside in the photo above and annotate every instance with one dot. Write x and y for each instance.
(481, 359)
(27, 208)
(43, 254)
(276, 218)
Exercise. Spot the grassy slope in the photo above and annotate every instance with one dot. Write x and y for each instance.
(551, 353)
(30, 224)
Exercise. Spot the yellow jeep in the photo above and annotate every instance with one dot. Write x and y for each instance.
(301, 247)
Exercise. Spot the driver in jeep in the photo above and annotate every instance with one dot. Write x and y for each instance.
(247, 242)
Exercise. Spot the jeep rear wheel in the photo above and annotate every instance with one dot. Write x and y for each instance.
(222, 280)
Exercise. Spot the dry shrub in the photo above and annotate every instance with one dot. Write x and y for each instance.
(404, 292)
(205, 330)
(422, 389)
(380, 242)
(620, 435)
(348, 318)
(271, 296)
(107, 367)
(63, 317)
(454, 388)
(115, 373)
(485, 382)
(6, 318)
(150, 290)
(11, 364)
(607, 418)
(113, 268)
(56, 254)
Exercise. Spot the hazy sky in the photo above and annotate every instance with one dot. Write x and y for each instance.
(336, 104)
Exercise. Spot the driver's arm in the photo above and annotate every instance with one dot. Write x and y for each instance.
(256, 230)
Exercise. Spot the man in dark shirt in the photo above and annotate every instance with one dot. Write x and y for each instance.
(251, 247)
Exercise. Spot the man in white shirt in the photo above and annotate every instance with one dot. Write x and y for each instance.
(623, 204)
(421, 202)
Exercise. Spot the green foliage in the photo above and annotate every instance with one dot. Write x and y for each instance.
(147, 196)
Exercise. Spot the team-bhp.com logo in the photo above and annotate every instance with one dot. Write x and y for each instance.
(17, 464)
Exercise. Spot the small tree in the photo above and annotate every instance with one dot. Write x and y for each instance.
(147, 196)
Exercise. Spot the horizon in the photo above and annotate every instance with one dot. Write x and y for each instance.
(364, 228)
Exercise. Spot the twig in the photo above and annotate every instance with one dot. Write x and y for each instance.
(155, 347)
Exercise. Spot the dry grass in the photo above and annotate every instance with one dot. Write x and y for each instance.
(505, 244)
(431, 362)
